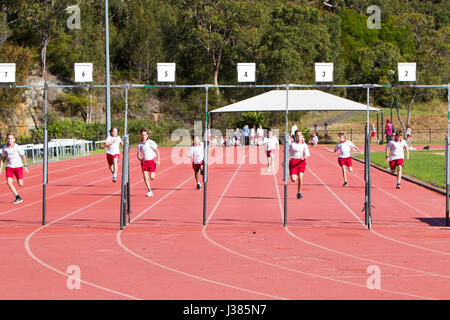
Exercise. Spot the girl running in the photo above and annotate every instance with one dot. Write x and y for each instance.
(259, 135)
(395, 154)
(147, 151)
(299, 152)
(345, 148)
(15, 159)
(196, 153)
(112, 144)
(271, 144)
(408, 135)
(237, 137)
(373, 133)
(325, 132)
(252, 135)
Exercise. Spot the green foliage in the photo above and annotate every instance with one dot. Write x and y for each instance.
(251, 119)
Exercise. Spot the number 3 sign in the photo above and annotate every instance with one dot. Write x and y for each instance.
(324, 72)
(83, 72)
(7, 72)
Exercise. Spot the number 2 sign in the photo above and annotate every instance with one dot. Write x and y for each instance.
(407, 72)
(7, 72)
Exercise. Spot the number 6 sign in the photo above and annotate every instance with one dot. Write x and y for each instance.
(166, 72)
(407, 71)
(83, 72)
(7, 72)
(324, 72)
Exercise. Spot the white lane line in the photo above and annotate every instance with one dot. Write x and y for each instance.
(30, 253)
(373, 231)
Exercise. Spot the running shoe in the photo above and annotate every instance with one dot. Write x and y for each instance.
(18, 200)
(398, 186)
(149, 194)
(345, 184)
(199, 186)
(299, 196)
(114, 179)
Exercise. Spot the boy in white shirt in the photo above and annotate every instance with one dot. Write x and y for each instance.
(395, 154)
(15, 159)
(147, 151)
(299, 152)
(252, 135)
(112, 144)
(345, 148)
(271, 144)
(196, 152)
(259, 135)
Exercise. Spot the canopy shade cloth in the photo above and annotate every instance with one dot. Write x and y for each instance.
(298, 100)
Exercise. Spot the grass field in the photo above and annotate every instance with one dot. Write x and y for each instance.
(424, 165)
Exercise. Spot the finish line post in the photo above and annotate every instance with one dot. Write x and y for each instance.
(286, 141)
(125, 168)
(205, 164)
(45, 166)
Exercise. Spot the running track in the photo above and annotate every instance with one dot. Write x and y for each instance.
(243, 253)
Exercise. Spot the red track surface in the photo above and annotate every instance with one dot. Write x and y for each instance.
(243, 253)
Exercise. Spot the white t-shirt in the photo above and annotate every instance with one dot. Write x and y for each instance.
(396, 149)
(13, 155)
(148, 149)
(298, 150)
(345, 149)
(325, 130)
(293, 129)
(260, 132)
(196, 152)
(270, 143)
(252, 132)
(115, 147)
(374, 129)
(408, 131)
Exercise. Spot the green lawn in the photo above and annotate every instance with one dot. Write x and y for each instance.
(425, 165)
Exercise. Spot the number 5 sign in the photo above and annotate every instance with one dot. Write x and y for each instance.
(324, 72)
(83, 72)
(246, 72)
(407, 72)
(7, 72)
(166, 72)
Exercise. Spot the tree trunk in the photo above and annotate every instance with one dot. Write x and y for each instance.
(398, 116)
(44, 44)
(408, 117)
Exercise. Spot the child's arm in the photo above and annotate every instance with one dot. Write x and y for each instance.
(387, 154)
(157, 153)
(407, 152)
(356, 148)
(24, 159)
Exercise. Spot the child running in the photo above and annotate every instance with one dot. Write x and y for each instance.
(299, 152)
(325, 132)
(252, 136)
(147, 151)
(196, 153)
(259, 135)
(112, 144)
(15, 159)
(395, 155)
(345, 148)
(271, 144)
(373, 133)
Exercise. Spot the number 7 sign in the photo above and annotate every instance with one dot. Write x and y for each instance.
(7, 72)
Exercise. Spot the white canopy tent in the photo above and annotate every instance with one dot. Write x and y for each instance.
(298, 100)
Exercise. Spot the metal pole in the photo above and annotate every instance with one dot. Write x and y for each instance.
(382, 126)
(286, 141)
(123, 198)
(45, 166)
(390, 80)
(369, 190)
(447, 162)
(108, 80)
(205, 162)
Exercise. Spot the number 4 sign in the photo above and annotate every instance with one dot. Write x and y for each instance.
(7, 72)
(407, 72)
(246, 72)
(83, 72)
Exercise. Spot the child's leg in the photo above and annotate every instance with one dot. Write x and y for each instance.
(20, 182)
(9, 181)
(196, 176)
(399, 175)
(344, 173)
(300, 182)
(146, 179)
(115, 165)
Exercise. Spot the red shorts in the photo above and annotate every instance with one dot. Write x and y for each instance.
(326, 135)
(148, 165)
(394, 163)
(269, 152)
(11, 172)
(408, 136)
(197, 166)
(345, 162)
(296, 166)
(373, 134)
(110, 158)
